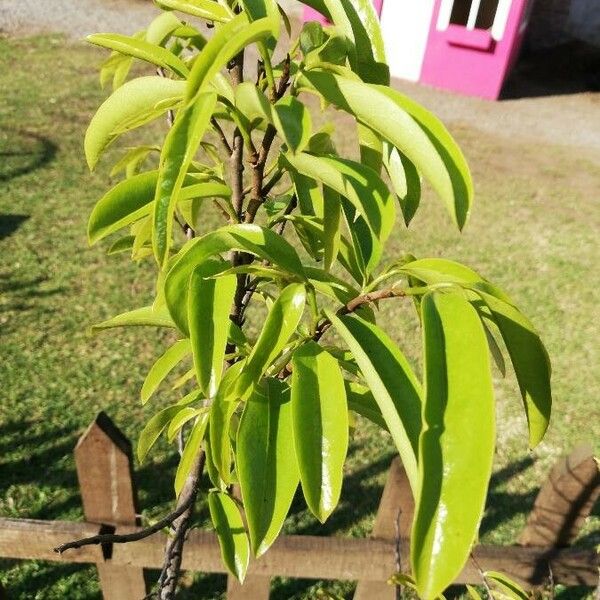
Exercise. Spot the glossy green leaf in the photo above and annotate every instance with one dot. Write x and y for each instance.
(414, 131)
(156, 55)
(160, 29)
(260, 241)
(157, 424)
(395, 388)
(508, 587)
(293, 121)
(205, 9)
(530, 362)
(132, 159)
(123, 244)
(181, 144)
(266, 463)
(135, 102)
(332, 232)
(280, 324)
(184, 416)
(147, 315)
(320, 417)
(454, 466)
(127, 202)
(163, 366)
(361, 186)
(229, 525)
(226, 43)
(191, 451)
(209, 300)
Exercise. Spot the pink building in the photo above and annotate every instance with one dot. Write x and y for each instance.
(467, 46)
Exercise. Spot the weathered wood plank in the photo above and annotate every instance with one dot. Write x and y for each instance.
(295, 556)
(565, 501)
(394, 518)
(104, 469)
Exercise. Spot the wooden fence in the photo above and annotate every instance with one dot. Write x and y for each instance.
(104, 469)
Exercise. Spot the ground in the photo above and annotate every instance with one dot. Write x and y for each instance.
(535, 160)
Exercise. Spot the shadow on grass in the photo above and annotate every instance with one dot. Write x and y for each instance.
(22, 152)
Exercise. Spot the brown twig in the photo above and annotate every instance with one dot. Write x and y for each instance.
(222, 136)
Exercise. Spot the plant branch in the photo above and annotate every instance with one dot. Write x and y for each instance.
(222, 136)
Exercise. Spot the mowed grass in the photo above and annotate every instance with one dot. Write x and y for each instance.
(533, 232)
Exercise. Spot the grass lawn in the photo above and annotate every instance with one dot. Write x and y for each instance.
(534, 232)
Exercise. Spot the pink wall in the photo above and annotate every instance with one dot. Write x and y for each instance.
(471, 61)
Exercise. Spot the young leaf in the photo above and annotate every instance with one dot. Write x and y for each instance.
(281, 322)
(332, 232)
(392, 382)
(179, 149)
(404, 179)
(320, 418)
(455, 465)
(182, 417)
(229, 526)
(146, 316)
(509, 587)
(266, 463)
(127, 202)
(253, 239)
(163, 366)
(190, 452)
(205, 9)
(156, 55)
(208, 299)
(161, 28)
(134, 102)
(293, 121)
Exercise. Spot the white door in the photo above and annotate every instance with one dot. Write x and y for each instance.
(405, 25)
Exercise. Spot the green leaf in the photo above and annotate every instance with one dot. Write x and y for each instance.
(266, 463)
(190, 452)
(127, 202)
(394, 386)
(228, 523)
(320, 417)
(163, 366)
(405, 181)
(209, 301)
(530, 362)
(408, 127)
(361, 186)
(123, 244)
(205, 9)
(332, 232)
(183, 416)
(147, 315)
(134, 103)
(282, 320)
(157, 424)
(221, 411)
(130, 46)
(509, 587)
(226, 43)
(132, 159)
(361, 401)
(455, 465)
(293, 121)
(179, 149)
(160, 29)
(256, 240)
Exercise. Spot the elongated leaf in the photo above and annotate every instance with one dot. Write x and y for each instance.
(134, 102)
(392, 382)
(178, 151)
(405, 181)
(455, 465)
(228, 523)
(281, 322)
(509, 587)
(156, 55)
(209, 302)
(361, 186)
(332, 232)
(266, 464)
(157, 424)
(127, 202)
(190, 452)
(293, 121)
(162, 27)
(227, 42)
(163, 366)
(320, 417)
(530, 362)
(147, 315)
(205, 9)
(389, 115)
(182, 417)
(254, 239)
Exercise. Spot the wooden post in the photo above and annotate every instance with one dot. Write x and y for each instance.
(393, 521)
(255, 587)
(104, 469)
(564, 502)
